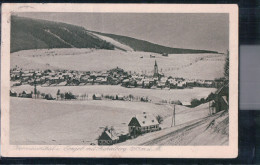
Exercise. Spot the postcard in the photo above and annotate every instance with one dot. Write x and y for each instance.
(119, 80)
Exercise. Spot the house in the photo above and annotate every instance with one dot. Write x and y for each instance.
(181, 84)
(27, 76)
(186, 103)
(108, 137)
(17, 73)
(208, 83)
(162, 82)
(120, 97)
(221, 100)
(16, 83)
(13, 93)
(142, 123)
(172, 81)
(146, 83)
(165, 54)
(191, 83)
(96, 97)
(26, 94)
(99, 80)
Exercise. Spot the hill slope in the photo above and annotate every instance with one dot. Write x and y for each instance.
(145, 46)
(27, 33)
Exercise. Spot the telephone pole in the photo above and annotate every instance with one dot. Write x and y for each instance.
(209, 109)
(173, 116)
(35, 90)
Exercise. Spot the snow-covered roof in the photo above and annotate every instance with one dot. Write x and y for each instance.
(146, 119)
(111, 134)
(186, 103)
(97, 95)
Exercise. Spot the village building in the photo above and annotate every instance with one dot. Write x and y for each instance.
(16, 83)
(181, 84)
(97, 97)
(165, 54)
(120, 97)
(125, 82)
(108, 137)
(13, 93)
(26, 94)
(186, 103)
(142, 123)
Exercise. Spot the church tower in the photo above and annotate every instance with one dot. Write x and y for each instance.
(155, 74)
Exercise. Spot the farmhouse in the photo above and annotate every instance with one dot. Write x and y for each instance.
(142, 123)
(108, 137)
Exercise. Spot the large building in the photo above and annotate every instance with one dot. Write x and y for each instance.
(142, 123)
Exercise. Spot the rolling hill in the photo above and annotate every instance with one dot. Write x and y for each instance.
(27, 33)
(145, 46)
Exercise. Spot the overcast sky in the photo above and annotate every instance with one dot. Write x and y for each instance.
(194, 31)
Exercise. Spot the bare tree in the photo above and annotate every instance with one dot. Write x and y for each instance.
(159, 118)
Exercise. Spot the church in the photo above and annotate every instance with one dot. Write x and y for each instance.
(156, 73)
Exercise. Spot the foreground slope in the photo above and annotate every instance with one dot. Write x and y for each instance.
(43, 122)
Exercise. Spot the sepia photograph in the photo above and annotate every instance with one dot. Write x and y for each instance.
(120, 79)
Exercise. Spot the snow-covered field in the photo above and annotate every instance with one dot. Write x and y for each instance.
(81, 122)
(155, 95)
(199, 66)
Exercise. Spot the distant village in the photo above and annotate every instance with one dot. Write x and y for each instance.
(116, 76)
(140, 123)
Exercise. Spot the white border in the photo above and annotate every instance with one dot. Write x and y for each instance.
(230, 151)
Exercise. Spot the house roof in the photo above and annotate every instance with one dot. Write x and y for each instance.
(223, 88)
(97, 95)
(27, 92)
(186, 103)
(108, 135)
(144, 120)
(12, 91)
(225, 99)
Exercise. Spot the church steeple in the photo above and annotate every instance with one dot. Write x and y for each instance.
(155, 69)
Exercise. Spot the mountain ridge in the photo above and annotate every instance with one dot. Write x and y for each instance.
(28, 33)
